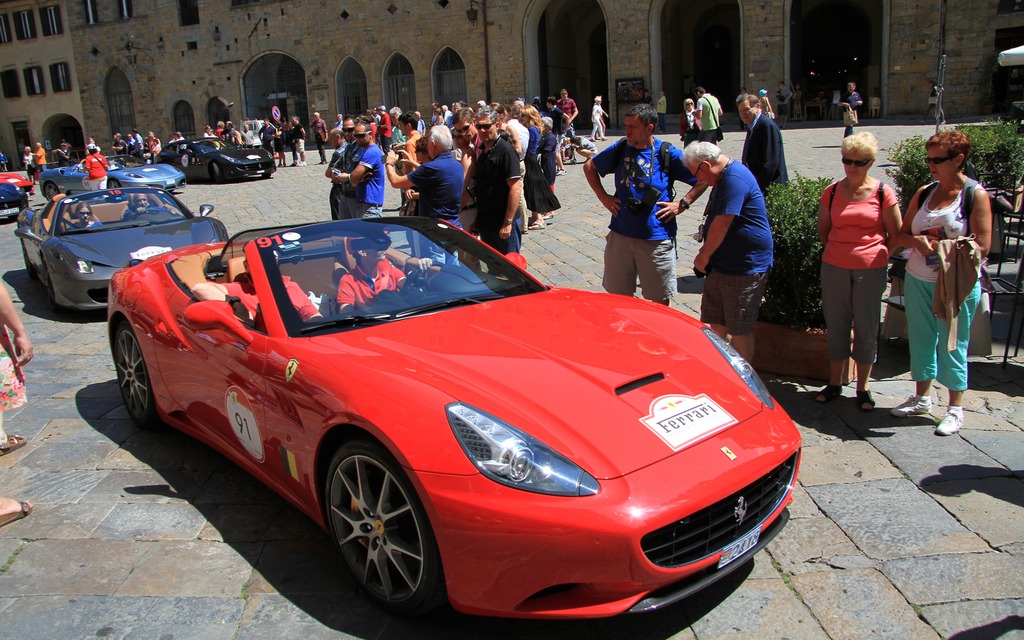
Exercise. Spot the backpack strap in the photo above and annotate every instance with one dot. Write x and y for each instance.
(832, 196)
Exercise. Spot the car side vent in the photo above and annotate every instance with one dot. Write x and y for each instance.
(640, 382)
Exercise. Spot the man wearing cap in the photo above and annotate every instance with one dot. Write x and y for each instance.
(319, 126)
(372, 274)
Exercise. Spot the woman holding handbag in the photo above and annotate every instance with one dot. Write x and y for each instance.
(851, 102)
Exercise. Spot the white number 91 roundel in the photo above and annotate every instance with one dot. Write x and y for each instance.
(243, 422)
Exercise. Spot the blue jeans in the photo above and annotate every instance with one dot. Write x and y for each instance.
(512, 244)
(366, 210)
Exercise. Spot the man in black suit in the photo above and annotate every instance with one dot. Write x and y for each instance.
(763, 153)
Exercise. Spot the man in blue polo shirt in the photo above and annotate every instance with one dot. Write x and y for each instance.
(369, 190)
(738, 246)
(641, 240)
(438, 182)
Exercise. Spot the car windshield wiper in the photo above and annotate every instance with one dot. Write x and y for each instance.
(443, 304)
(347, 321)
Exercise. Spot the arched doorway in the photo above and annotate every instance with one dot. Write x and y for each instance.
(63, 127)
(275, 80)
(120, 105)
(567, 47)
(695, 48)
(184, 119)
(399, 83)
(350, 88)
(449, 77)
(217, 110)
(839, 41)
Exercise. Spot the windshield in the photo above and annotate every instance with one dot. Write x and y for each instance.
(337, 275)
(214, 144)
(124, 162)
(96, 211)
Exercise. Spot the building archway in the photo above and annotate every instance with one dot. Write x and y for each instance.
(60, 127)
(567, 47)
(275, 80)
(838, 41)
(120, 105)
(399, 83)
(217, 110)
(449, 77)
(184, 119)
(350, 88)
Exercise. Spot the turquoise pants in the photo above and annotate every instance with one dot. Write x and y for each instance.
(929, 359)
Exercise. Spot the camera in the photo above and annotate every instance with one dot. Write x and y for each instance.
(646, 204)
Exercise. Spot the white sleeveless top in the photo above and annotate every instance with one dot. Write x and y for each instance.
(946, 223)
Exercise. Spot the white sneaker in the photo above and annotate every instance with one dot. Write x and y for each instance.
(951, 422)
(913, 406)
(560, 172)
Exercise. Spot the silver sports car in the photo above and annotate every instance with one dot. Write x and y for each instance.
(75, 243)
(124, 171)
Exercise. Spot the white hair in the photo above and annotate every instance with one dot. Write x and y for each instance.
(698, 152)
(442, 137)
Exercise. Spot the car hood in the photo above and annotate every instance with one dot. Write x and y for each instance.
(242, 154)
(589, 374)
(115, 248)
(160, 171)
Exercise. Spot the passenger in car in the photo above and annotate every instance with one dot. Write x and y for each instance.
(243, 291)
(82, 217)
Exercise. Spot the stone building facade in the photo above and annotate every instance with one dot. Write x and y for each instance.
(171, 65)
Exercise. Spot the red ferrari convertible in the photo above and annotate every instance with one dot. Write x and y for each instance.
(463, 431)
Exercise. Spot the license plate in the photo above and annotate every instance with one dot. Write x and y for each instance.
(8, 212)
(738, 548)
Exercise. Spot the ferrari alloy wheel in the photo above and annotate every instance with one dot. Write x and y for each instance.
(50, 189)
(133, 378)
(32, 275)
(382, 530)
(216, 173)
(112, 184)
(51, 292)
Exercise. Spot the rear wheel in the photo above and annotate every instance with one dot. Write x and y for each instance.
(112, 183)
(216, 173)
(382, 530)
(50, 189)
(133, 379)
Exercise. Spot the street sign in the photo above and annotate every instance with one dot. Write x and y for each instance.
(276, 112)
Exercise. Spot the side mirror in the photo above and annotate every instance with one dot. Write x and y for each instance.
(205, 210)
(216, 314)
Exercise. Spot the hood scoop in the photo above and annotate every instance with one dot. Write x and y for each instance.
(638, 383)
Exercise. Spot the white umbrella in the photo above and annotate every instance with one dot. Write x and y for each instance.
(1012, 57)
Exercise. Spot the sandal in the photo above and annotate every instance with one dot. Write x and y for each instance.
(535, 226)
(26, 508)
(866, 402)
(829, 393)
(13, 444)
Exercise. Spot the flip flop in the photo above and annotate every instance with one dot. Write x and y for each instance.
(829, 393)
(535, 226)
(865, 401)
(26, 508)
(13, 444)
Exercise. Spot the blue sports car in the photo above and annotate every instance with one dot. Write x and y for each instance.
(12, 200)
(124, 171)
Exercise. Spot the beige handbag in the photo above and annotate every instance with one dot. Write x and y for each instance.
(850, 117)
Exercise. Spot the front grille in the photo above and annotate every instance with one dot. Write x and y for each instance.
(709, 530)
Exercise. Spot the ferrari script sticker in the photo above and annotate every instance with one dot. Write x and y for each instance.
(682, 420)
(243, 422)
(148, 252)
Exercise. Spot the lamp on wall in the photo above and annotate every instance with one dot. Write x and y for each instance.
(131, 49)
(472, 13)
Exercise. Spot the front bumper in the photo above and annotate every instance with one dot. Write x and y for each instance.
(84, 291)
(235, 171)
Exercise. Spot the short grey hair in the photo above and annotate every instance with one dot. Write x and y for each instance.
(487, 112)
(547, 122)
(698, 152)
(442, 137)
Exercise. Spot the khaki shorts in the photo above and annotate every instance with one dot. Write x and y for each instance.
(301, 146)
(653, 261)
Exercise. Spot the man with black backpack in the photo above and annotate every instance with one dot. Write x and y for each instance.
(641, 240)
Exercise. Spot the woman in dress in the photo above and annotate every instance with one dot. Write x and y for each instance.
(540, 199)
(952, 207)
(858, 221)
(597, 116)
(689, 123)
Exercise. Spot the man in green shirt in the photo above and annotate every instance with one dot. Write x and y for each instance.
(710, 113)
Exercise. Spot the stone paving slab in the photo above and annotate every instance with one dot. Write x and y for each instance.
(811, 544)
(889, 519)
(991, 507)
(954, 577)
(844, 461)
(1006, 448)
(926, 458)
(212, 569)
(76, 567)
(141, 521)
(979, 620)
(860, 603)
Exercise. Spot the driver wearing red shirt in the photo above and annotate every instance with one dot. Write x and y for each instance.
(373, 273)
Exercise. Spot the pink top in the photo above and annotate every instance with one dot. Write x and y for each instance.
(857, 237)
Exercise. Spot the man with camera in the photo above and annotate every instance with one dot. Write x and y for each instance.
(641, 240)
(737, 250)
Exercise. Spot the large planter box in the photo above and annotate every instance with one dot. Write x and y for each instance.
(793, 352)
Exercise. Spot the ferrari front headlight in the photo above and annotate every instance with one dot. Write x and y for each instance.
(83, 266)
(516, 459)
(742, 368)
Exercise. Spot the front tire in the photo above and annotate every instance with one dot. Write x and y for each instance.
(113, 184)
(216, 173)
(382, 530)
(49, 190)
(133, 378)
(32, 275)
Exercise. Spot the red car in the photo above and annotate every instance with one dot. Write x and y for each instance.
(18, 180)
(463, 431)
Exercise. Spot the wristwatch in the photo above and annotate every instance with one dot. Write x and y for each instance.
(683, 204)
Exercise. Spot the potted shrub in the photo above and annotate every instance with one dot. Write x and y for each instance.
(790, 336)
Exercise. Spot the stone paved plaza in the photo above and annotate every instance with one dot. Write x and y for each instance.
(895, 533)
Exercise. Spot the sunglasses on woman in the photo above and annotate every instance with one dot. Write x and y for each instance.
(856, 163)
(938, 160)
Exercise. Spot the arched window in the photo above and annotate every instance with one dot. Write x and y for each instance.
(449, 77)
(216, 111)
(275, 80)
(351, 88)
(120, 106)
(399, 83)
(184, 119)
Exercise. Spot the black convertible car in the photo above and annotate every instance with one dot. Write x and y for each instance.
(217, 160)
(75, 243)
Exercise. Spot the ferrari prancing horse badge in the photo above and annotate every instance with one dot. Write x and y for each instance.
(290, 369)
